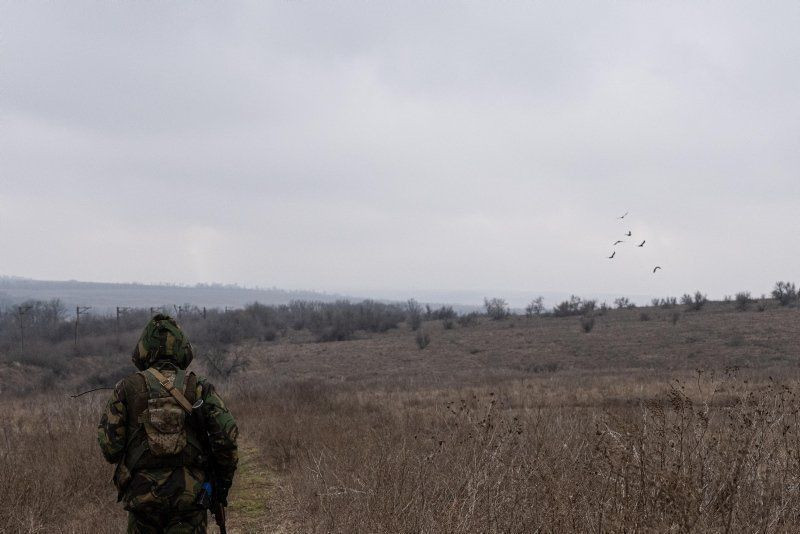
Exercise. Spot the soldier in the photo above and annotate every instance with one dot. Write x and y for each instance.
(172, 438)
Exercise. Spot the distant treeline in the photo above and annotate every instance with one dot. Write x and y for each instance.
(47, 327)
(36, 326)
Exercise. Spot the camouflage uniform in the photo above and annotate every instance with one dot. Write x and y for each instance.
(161, 492)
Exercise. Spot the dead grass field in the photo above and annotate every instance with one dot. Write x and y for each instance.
(521, 425)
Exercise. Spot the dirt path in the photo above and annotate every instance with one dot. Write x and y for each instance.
(253, 507)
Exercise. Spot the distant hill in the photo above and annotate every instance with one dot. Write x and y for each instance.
(105, 297)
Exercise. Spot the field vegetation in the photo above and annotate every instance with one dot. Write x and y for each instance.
(686, 421)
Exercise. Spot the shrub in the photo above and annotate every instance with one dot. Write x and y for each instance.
(413, 314)
(694, 303)
(644, 317)
(221, 364)
(574, 306)
(423, 339)
(444, 312)
(448, 324)
(587, 323)
(666, 303)
(743, 300)
(676, 315)
(536, 307)
(496, 308)
(785, 293)
(469, 319)
(622, 303)
(334, 332)
(568, 307)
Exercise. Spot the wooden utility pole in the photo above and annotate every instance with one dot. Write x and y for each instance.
(78, 311)
(21, 311)
(120, 311)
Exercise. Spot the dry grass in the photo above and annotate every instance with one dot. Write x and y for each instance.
(521, 425)
(714, 455)
(53, 478)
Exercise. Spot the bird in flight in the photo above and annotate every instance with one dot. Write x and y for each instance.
(612, 255)
(657, 268)
(629, 233)
(623, 216)
(618, 241)
(640, 245)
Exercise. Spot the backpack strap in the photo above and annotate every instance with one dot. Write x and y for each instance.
(190, 392)
(153, 385)
(134, 454)
(171, 389)
(180, 379)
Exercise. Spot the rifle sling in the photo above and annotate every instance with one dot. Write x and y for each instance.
(172, 390)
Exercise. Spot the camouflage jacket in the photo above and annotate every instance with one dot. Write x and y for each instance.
(167, 483)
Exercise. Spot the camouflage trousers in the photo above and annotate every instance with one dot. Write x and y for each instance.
(185, 523)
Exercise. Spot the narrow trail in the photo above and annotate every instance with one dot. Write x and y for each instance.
(253, 507)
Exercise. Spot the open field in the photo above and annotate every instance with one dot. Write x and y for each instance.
(517, 425)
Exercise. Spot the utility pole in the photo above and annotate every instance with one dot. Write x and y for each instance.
(21, 311)
(120, 311)
(78, 311)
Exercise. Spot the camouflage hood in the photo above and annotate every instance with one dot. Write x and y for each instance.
(162, 340)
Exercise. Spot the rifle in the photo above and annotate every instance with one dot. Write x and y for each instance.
(207, 499)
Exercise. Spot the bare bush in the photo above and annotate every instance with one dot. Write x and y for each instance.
(785, 293)
(743, 300)
(623, 303)
(666, 303)
(439, 314)
(644, 316)
(694, 303)
(587, 323)
(423, 339)
(222, 364)
(535, 307)
(574, 306)
(469, 319)
(496, 308)
(413, 314)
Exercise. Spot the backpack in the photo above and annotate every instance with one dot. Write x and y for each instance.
(164, 419)
(163, 435)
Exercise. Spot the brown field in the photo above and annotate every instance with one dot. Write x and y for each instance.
(518, 425)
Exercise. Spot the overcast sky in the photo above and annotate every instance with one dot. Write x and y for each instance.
(402, 146)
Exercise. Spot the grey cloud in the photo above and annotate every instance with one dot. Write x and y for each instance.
(454, 145)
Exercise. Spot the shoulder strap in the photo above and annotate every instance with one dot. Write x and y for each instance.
(191, 388)
(177, 395)
(152, 383)
(180, 379)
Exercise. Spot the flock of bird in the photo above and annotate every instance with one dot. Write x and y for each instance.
(629, 234)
